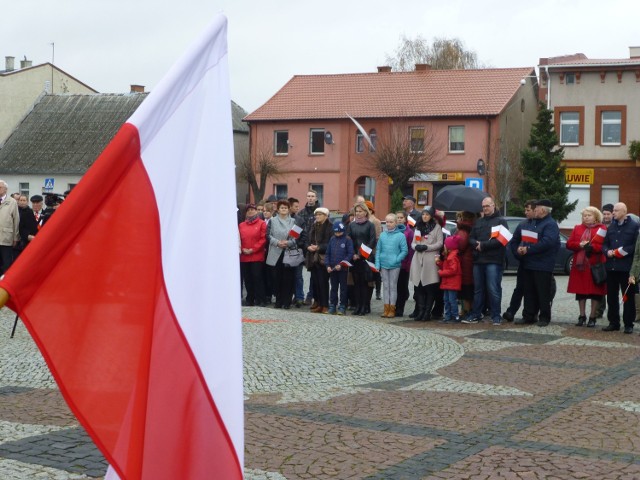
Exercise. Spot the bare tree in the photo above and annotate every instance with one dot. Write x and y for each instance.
(402, 153)
(442, 54)
(506, 173)
(256, 173)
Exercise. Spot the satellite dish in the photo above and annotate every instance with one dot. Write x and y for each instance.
(328, 138)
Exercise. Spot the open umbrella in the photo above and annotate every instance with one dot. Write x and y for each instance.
(459, 198)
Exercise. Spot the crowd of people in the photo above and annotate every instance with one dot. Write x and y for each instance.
(19, 222)
(456, 275)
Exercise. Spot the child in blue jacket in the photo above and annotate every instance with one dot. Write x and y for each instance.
(340, 249)
(391, 250)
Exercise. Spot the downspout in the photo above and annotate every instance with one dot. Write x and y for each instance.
(488, 152)
(546, 67)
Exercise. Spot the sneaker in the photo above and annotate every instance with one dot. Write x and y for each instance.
(341, 310)
(332, 310)
(299, 303)
(307, 301)
(471, 321)
(497, 322)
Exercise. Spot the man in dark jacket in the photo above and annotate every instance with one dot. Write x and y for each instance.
(488, 263)
(305, 219)
(537, 249)
(619, 246)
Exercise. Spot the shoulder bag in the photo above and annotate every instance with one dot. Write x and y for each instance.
(293, 257)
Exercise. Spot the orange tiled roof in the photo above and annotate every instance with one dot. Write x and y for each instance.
(394, 94)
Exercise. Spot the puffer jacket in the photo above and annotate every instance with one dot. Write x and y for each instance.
(253, 234)
(451, 272)
(541, 255)
(491, 250)
(391, 249)
(621, 238)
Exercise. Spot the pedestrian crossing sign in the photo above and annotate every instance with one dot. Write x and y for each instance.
(48, 185)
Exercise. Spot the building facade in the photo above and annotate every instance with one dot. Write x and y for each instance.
(596, 105)
(465, 118)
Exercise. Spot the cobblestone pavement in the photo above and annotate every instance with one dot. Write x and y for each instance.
(369, 398)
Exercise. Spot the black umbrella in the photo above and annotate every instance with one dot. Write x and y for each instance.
(459, 198)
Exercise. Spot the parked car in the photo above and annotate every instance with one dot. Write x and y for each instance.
(564, 258)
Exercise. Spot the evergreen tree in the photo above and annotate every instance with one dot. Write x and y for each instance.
(543, 172)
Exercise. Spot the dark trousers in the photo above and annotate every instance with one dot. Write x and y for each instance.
(283, 282)
(253, 275)
(403, 291)
(338, 280)
(320, 285)
(361, 275)
(537, 295)
(518, 292)
(6, 254)
(617, 283)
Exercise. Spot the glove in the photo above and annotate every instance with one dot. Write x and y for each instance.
(421, 248)
(588, 250)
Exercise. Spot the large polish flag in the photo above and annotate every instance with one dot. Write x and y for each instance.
(133, 299)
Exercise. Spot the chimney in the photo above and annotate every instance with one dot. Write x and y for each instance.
(137, 88)
(384, 69)
(8, 62)
(634, 52)
(423, 67)
(25, 63)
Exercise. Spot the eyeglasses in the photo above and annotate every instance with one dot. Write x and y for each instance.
(487, 206)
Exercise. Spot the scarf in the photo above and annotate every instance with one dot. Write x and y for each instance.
(581, 260)
(361, 220)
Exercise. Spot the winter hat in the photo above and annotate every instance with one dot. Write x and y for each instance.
(338, 226)
(452, 242)
(250, 206)
(369, 205)
(605, 208)
(322, 210)
(430, 210)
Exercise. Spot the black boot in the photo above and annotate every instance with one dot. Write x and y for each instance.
(592, 322)
(421, 305)
(581, 320)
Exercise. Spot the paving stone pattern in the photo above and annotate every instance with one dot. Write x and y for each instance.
(329, 397)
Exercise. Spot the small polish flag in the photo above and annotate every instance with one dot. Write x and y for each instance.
(372, 266)
(411, 221)
(295, 231)
(345, 263)
(365, 251)
(495, 231)
(529, 236)
(625, 297)
(504, 235)
(601, 232)
(418, 236)
(620, 252)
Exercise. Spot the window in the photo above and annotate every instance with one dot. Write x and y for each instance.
(281, 191)
(316, 141)
(611, 125)
(281, 142)
(319, 189)
(456, 139)
(359, 142)
(582, 193)
(366, 186)
(373, 135)
(570, 78)
(568, 123)
(611, 128)
(416, 135)
(24, 188)
(569, 128)
(610, 194)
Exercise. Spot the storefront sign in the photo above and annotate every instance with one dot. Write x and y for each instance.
(579, 176)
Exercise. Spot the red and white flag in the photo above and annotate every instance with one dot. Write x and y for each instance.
(503, 235)
(295, 231)
(418, 236)
(601, 232)
(620, 252)
(141, 334)
(372, 266)
(345, 263)
(411, 221)
(365, 251)
(529, 236)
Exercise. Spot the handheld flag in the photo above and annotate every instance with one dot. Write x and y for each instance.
(529, 236)
(345, 263)
(620, 252)
(372, 266)
(144, 342)
(411, 221)
(601, 232)
(295, 231)
(365, 251)
(502, 234)
(418, 236)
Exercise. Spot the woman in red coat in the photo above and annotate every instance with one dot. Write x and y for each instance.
(253, 239)
(586, 240)
(464, 221)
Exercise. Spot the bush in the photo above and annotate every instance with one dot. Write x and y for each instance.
(634, 150)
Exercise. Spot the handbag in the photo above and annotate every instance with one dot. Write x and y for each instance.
(318, 258)
(598, 273)
(293, 257)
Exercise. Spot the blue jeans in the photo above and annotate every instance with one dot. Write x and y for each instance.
(450, 304)
(487, 278)
(338, 279)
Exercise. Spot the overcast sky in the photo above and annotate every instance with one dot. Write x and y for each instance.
(110, 44)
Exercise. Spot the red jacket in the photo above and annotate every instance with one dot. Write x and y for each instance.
(465, 253)
(450, 272)
(580, 280)
(253, 235)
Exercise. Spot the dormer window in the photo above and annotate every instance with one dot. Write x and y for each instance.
(570, 78)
